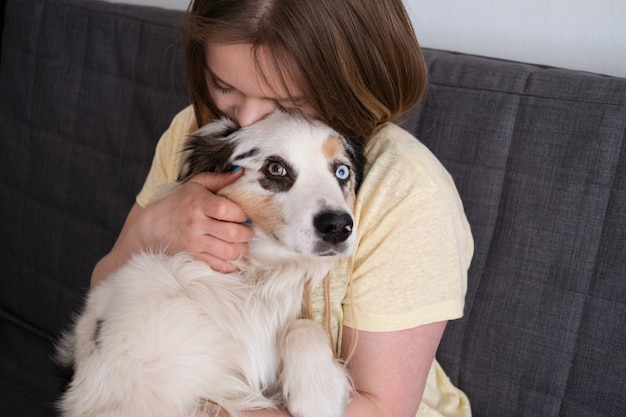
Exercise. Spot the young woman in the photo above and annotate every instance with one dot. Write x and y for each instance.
(356, 65)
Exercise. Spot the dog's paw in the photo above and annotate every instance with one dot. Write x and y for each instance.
(314, 383)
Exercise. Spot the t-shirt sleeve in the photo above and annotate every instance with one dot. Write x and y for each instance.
(166, 162)
(414, 249)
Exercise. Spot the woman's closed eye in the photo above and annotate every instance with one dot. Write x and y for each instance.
(222, 88)
(299, 105)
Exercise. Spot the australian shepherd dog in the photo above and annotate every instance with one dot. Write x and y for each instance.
(167, 336)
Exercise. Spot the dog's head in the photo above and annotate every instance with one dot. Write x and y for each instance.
(299, 183)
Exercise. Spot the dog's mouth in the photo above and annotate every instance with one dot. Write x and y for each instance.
(326, 250)
(328, 254)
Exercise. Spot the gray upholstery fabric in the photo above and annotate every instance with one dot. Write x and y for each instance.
(538, 156)
(537, 153)
(86, 93)
(87, 88)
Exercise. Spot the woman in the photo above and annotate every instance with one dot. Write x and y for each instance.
(356, 65)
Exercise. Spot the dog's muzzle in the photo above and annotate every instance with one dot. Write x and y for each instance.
(333, 227)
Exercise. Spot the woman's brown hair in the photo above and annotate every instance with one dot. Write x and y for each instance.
(356, 61)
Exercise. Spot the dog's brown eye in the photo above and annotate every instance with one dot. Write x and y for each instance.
(276, 169)
(278, 175)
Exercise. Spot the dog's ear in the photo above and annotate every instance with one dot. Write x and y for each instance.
(210, 149)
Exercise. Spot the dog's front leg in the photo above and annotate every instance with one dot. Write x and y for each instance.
(314, 383)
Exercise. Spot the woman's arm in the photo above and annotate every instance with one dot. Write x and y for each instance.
(191, 219)
(388, 369)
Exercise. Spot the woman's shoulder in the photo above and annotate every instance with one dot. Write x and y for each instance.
(407, 208)
(395, 156)
(173, 139)
(185, 118)
(166, 162)
(183, 124)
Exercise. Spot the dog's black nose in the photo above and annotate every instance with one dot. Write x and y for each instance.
(333, 227)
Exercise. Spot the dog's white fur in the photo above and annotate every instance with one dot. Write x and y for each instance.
(167, 336)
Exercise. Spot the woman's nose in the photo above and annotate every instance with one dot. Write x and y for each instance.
(251, 111)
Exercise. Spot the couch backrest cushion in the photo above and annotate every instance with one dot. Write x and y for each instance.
(87, 88)
(539, 157)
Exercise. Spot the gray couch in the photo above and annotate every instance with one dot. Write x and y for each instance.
(538, 154)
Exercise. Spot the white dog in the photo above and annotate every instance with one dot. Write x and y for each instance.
(167, 336)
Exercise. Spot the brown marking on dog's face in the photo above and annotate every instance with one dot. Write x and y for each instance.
(263, 210)
(332, 146)
(350, 195)
(334, 151)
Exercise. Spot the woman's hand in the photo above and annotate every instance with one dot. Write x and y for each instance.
(195, 220)
(192, 219)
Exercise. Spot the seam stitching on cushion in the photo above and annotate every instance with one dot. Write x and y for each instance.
(104, 7)
(586, 305)
(465, 339)
(495, 90)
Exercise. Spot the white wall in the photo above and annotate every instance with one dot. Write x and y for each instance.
(588, 35)
(581, 34)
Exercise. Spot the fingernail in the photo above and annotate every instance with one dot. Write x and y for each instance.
(237, 168)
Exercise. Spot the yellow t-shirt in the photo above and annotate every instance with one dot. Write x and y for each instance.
(414, 246)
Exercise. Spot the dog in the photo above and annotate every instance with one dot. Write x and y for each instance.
(167, 336)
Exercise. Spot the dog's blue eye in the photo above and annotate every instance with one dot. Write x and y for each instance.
(342, 172)
(276, 169)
